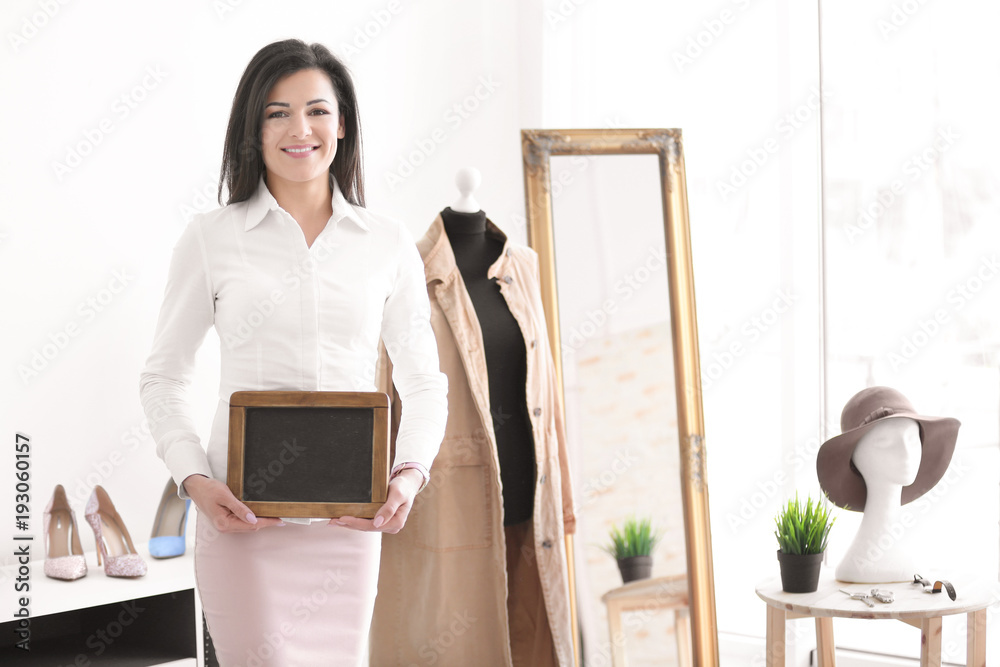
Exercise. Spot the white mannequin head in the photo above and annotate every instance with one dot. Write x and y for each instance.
(467, 180)
(889, 452)
(888, 457)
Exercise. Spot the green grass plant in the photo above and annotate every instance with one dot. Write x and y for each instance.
(635, 537)
(803, 528)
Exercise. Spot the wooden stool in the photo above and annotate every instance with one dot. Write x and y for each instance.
(649, 595)
(911, 605)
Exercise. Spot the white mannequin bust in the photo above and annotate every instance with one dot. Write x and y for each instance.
(888, 457)
(467, 180)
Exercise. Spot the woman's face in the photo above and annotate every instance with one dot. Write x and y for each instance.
(301, 126)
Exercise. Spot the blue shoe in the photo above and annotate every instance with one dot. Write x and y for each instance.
(167, 539)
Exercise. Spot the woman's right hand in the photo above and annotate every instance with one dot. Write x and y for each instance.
(218, 504)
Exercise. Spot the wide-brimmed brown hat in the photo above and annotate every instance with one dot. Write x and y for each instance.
(844, 484)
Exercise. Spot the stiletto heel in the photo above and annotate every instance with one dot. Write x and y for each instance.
(112, 538)
(167, 538)
(63, 554)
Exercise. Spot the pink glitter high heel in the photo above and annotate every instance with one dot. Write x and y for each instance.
(112, 538)
(63, 553)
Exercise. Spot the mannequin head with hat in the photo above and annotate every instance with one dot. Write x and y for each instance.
(886, 456)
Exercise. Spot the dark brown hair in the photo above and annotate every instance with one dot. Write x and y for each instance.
(242, 159)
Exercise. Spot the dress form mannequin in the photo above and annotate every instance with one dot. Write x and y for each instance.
(476, 249)
(888, 458)
(485, 540)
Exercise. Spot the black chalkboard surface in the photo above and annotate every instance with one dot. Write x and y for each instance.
(309, 453)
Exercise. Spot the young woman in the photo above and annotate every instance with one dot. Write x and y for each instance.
(301, 282)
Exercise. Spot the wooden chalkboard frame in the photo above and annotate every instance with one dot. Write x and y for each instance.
(378, 402)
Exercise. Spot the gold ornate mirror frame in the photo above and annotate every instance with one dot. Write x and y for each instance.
(537, 147)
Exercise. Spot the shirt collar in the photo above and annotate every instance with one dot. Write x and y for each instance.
(263, 201)
(439, 258)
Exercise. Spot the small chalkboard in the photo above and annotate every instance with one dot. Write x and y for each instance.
(309, 453)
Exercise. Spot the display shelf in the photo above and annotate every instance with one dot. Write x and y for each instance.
(149, 621)
(139, 632)
(53, 596)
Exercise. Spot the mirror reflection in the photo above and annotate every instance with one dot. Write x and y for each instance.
(618, 378)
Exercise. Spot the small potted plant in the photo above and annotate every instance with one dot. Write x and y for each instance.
(632, 546)
(802, 532)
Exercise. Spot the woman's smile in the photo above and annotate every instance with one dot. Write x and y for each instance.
(300, 151)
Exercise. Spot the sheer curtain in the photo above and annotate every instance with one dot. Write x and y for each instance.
(912, 258)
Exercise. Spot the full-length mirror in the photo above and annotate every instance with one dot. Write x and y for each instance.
(607, 214)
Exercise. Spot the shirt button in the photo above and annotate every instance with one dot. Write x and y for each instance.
(547, 544)
(542, 479)
(508, 252)
(508, 279)
(537, 412)
(533, 341)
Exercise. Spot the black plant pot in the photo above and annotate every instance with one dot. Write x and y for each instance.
(799, 573)
(634, 568)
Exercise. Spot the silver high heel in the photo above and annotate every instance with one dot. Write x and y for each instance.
(63, 554)
(113, 541)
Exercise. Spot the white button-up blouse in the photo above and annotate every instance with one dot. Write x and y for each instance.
(292, 317)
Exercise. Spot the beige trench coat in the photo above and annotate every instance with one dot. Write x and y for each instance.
(442, 593)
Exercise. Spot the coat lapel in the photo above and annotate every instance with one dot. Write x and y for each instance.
(445, 279)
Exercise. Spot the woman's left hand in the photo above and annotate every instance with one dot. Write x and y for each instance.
(391, 517)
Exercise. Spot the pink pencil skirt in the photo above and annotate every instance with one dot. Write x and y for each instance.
(288, 596)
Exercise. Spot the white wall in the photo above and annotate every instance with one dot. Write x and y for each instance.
(584, 64)
(728, 73)
(105, 229)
